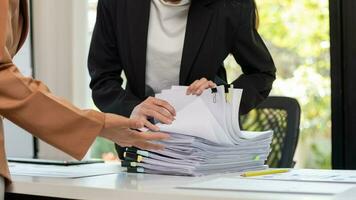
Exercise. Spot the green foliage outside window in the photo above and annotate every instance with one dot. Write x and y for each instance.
(297, 35)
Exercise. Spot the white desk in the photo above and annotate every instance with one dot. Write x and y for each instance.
(136, 187)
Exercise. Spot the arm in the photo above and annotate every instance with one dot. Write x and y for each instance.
(255, 60)
(105, 67)
(105, 70)
(29, 104)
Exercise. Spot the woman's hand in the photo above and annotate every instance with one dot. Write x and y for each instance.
(155, 108)
(120, 130)
(198, 86)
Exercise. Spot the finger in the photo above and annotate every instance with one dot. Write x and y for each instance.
(165, 109)
(162, 111)
(212, 84)
(136, 123)
(123, 139)
(196, 86)
(189, 90)
(118, 121)
(124, 144)
(151, 126)
(148, 146)
(205, 86)
(135, 135)
(202, 82)
(157, 115)
(165, 105)
(155, 135)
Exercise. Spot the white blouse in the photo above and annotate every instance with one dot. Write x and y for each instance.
(166, 33)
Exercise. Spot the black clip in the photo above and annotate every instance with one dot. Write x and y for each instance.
(226, 87)
(214, 91)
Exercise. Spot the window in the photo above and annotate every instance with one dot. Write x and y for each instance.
(102, 148)
(300, 46)
(297, 35)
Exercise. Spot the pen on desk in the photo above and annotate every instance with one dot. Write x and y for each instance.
(264, 172)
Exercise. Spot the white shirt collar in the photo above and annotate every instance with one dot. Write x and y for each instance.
(181, 3)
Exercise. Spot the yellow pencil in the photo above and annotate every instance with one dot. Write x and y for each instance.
(264, 172)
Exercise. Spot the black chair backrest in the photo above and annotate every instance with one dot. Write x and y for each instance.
(282, 115)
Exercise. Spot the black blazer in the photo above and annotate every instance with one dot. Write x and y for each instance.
(215, 28)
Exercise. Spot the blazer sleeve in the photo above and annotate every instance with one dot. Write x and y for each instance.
(254, 58)
(29, 104)
(105, 67)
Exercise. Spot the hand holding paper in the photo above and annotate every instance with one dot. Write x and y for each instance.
(205, 137)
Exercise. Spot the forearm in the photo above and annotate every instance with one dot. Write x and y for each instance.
(256, 88)
(112, 98)
(105, 65)
(255, 60)
(29, 104)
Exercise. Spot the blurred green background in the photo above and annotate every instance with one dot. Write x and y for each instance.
(297, 35)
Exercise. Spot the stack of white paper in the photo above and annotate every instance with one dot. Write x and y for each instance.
(55, 171)
(205, 137)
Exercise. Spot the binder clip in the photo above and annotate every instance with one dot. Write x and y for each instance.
(228, 96)
(132, 157)
(214, 91)
(128, 164)
(137, 151)
(226, 88)
(135, 170)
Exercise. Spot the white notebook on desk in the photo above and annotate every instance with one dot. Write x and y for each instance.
(251, 185)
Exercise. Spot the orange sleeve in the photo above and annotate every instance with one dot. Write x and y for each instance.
(29, 104)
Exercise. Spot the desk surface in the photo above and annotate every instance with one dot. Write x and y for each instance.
(136, 186)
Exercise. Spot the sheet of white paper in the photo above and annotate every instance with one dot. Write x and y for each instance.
(206, 137)
(196, 120)
(52, 171)
(252, 185)
(334, 176)
(347, 195)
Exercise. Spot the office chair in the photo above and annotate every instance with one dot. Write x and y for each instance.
(282, 115)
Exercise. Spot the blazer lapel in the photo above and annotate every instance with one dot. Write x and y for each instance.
(198, 23)
(138, 14)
